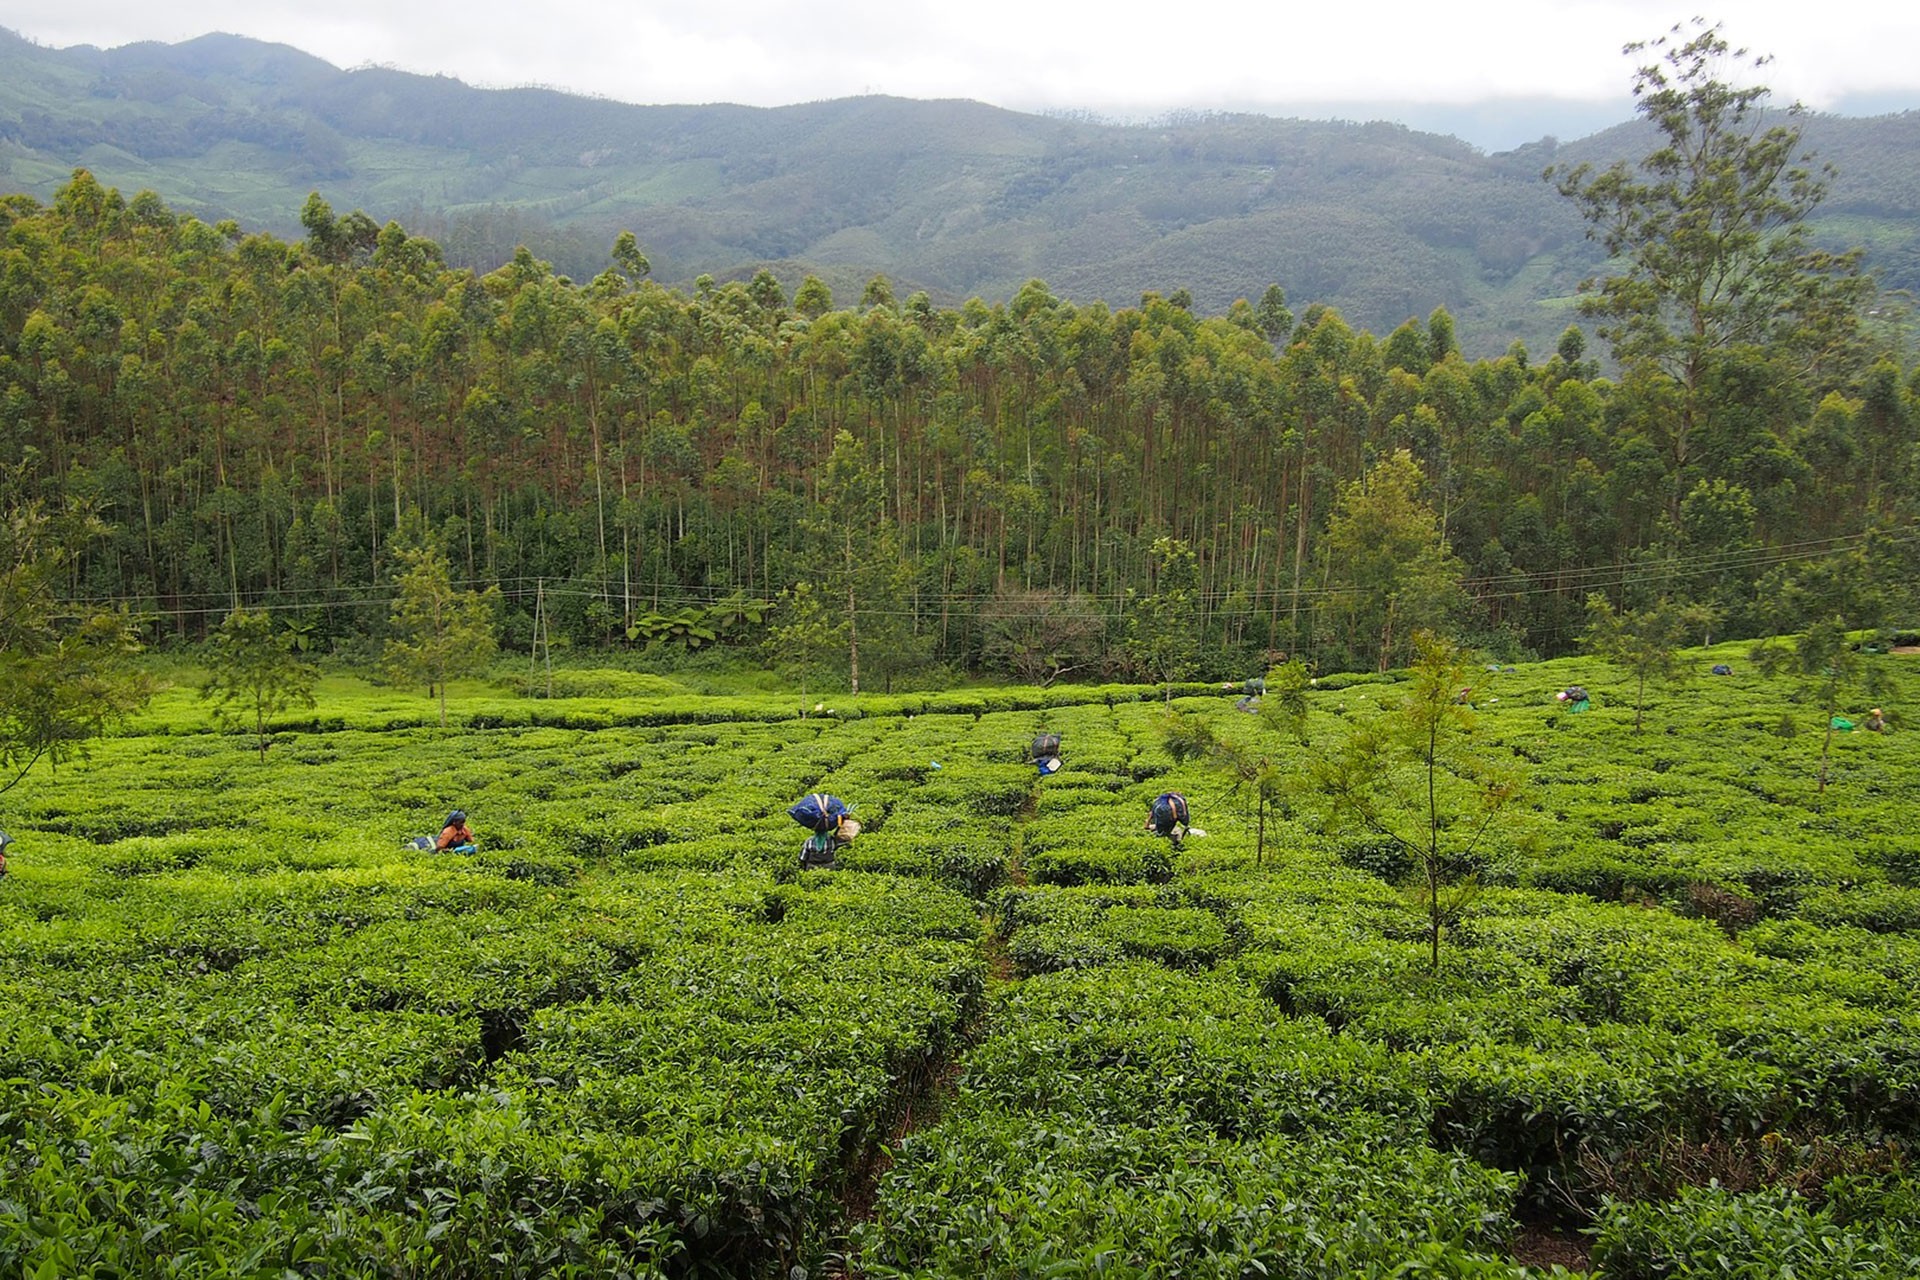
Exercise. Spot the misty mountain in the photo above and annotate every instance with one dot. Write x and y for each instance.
(954, 197)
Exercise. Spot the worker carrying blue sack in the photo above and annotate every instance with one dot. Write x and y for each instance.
(1167, 817)
(833, 826)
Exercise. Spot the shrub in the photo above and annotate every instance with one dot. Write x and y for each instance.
(1143, 862)
(1757, 1235)
(1881, 908)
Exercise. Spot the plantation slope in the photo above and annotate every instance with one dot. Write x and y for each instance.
(249, 1032)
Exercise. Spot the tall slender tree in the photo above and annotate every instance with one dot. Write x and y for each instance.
(1163, 634)
(256, 674)
(1411, 776)
(1710, 236)
(1644, 642)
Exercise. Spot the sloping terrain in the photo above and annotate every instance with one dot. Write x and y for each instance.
(957, 198)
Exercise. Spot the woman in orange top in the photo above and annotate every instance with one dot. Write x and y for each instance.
(455, 835)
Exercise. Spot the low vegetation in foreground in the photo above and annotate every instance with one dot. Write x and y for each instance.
(1675, 1032)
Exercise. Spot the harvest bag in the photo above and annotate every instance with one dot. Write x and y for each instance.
(819, 812)
(1169, 811)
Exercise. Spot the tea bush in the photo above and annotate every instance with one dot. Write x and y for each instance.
(251, 1033)
(1015, 1196)
(1756, 1235)
(684, 1008)
(1139, 1121)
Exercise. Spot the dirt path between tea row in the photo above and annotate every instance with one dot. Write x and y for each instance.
(938, 1080)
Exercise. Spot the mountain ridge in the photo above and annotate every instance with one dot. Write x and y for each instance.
(955, 197)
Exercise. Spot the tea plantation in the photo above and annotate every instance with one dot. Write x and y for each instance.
(248, 1033)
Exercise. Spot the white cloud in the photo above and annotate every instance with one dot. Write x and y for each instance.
(1118, 56)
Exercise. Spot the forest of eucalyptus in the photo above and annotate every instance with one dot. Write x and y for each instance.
(1030, 486)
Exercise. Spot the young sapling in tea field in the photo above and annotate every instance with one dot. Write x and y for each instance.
(1411, 775)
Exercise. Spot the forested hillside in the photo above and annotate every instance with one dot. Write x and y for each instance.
(1031, 486)
(955, 198)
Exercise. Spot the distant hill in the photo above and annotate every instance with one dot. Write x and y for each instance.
(957, 198)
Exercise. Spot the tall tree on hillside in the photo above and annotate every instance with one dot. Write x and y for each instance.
(65, 675)
(439, 632)
(1321, 374)
(257, 673)
(1276, 321)
(1709, 237)
(854, 555)
(1391, 573)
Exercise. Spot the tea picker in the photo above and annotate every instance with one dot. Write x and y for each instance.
(1250, 691)
(1167, 817)
(5, 841)
(1575, 697)
(454, 837)
(833, 826)
(1046, 754)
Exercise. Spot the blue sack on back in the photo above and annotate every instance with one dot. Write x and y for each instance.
(1169, 810)
(819, 812)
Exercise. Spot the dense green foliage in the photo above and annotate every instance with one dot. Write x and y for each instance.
(256, 674)
(252, 1028)
(261, 420)
(958, 198)
(248, 1032)
(65, 669)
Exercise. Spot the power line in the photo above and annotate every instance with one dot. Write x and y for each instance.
(994, 605)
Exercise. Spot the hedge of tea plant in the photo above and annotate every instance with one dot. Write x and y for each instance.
(541, 1057)
(1694, 950)
(1144, 1122)
(666, 1072)
(1864, 1226)
(629, 1036)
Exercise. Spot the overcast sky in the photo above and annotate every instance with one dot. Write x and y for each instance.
(1120, 58)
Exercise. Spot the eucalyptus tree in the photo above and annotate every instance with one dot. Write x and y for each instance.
(1709, 238)
(1327, 416)
(852, 553)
